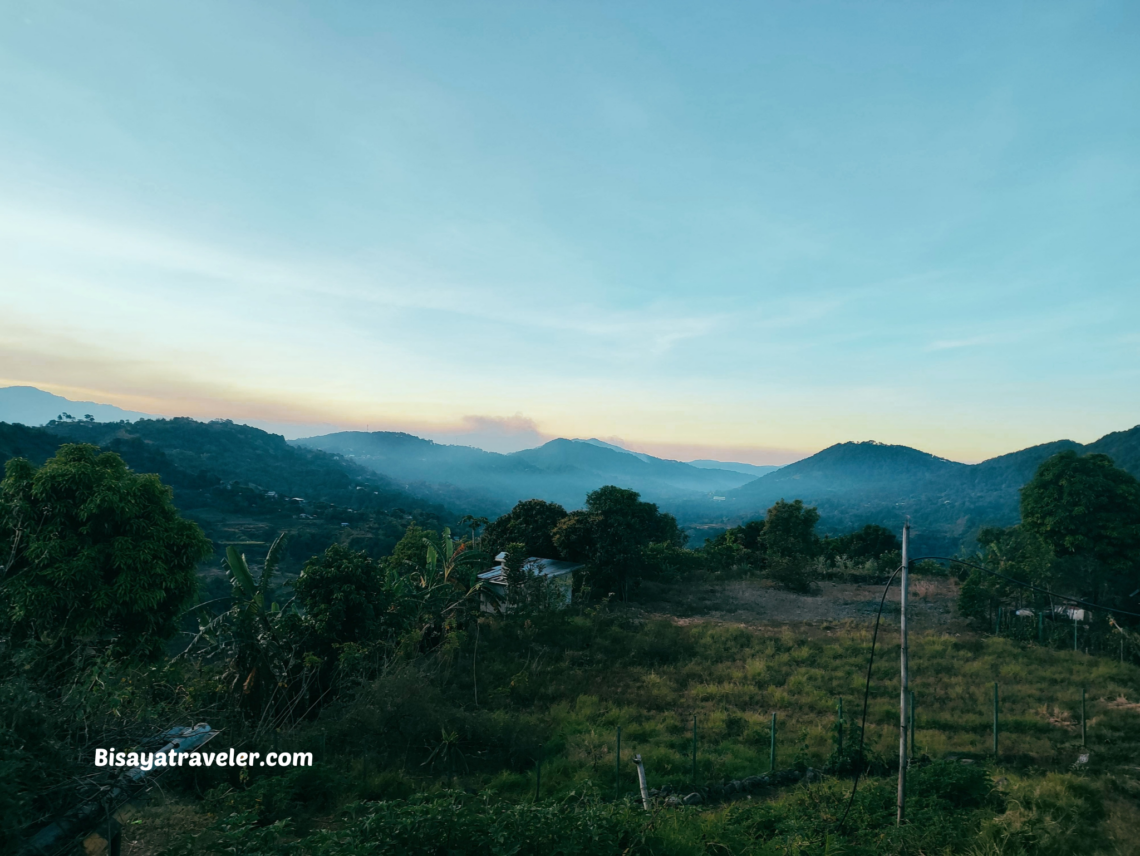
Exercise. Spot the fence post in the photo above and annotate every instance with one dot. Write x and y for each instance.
(995, 720)
(537, 775)
(772, 751)
(1084, 727)
(1074, 632)
(694, 749)
(1040, 628)
(839, 732)
(617, 758)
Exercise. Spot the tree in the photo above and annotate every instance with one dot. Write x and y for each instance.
(409, 556)
(864, 545)
(530, 523)
(95, 552)
(476, 524)
(1016, 552)
(789, 530)
(348, 597)
(1088, 511)
(610, 536)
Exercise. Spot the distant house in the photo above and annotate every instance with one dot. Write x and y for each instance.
(1070, 612)
(496, 589)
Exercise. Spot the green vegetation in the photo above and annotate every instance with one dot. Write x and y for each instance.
(610, 536)
(243, 486)
(412, 744)
(95, 555)
(1080, 538)
(440, 727)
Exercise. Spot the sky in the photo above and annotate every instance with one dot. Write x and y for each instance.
(738, 230)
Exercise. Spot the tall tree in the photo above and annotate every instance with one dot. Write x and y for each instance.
(530, 523)
(1088, 511)
(789, 530)
(610, 536)
(94, 551)
(349, 597)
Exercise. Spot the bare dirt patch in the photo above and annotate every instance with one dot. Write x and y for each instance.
(753, 601)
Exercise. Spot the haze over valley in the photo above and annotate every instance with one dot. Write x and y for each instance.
(853, 484)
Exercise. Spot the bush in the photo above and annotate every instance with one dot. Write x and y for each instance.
(791, 573)
(1055, 816)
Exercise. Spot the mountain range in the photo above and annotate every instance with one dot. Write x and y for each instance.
(490, 483)
(27, 405)
(851, 484)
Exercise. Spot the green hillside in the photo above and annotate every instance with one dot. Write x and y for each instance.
(854, 484)
(244, 485)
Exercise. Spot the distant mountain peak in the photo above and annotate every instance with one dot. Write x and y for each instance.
(28, 405)
(594, 441)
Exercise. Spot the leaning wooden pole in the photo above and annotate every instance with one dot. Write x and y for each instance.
(641, 781)
(904, 690)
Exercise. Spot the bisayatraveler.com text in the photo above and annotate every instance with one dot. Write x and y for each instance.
(151, 760)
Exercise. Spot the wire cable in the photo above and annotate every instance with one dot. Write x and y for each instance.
(866, 698)
(875, 636)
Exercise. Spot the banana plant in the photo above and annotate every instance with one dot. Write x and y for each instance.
(245, 636)
(446, 561)
(451, 568)
(255, 596)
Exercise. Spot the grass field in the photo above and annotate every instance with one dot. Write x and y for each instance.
(461, 732)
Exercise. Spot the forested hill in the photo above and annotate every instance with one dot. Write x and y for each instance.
(562, 471)
(244, 485)
(857, 483)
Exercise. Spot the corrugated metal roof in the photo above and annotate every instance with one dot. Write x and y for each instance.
(541, 567)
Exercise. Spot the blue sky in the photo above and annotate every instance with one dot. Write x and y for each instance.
(702, 230)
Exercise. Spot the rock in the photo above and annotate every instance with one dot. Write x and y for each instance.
(653, 792)
(753, 782)
(693, 799)
(673, 802)
(813, 775)
(732, 787)
(967, 761)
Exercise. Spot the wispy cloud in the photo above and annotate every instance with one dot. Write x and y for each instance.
(388, 278)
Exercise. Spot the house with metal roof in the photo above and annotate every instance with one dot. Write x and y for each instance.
(496, 588)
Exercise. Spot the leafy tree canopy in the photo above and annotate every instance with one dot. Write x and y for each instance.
(410, 556)
(789, 529)
(347, 596)
(1084, 505)
(610, 536)
(530, 523)
(863, 545)
(94, 551)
